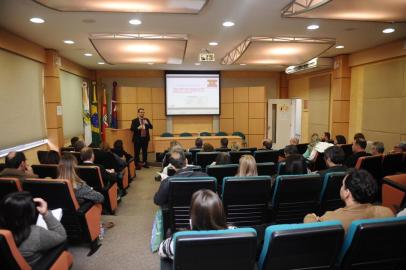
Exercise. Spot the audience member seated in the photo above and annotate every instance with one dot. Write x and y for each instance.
(400, 148)
(334, 157)
(359, 136)
(377, 148)
(87, 156)
(290, 150)
(235, 146)
(294, 141)
(52, 157)
(177, 146)
(327, 138)
(179, 164)
(79, 145)
(73, 140)
(313, 141)
(223, 158)
(207, 147)
(206, 213)
(320, 147)
(340, 139)
(82, 191)
(267, 144)
(296, 164)
(358, 149)
(17, 166)
(108, 159)
(358, 192)
(118, 149)
(198, 144)
(224, 143)
(18, 214)
(247, 166)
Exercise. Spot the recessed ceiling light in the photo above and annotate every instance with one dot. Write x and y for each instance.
(243, 64)
(37, 20)
(150, 63)
(135, 22)
(213, 43)
(88, 54)
(339, 47)
(101, 63)
(68, 42)
(228, 24)
(388, 30)
(197, 64)
(313, 27)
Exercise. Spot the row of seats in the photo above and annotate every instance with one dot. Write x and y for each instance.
(383, 165)
(253, 200)
(205, 133)
(369, 244)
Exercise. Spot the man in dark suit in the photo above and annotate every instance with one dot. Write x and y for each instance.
(358, 149)
(140, 127)
(334, 157)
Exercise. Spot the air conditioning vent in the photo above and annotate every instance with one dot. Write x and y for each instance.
(312, 65)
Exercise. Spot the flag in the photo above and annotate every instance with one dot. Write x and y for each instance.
(95, 118)
(114, 120)
(105, 123)
(86, 114)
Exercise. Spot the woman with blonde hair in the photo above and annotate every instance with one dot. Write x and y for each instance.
(247, 167)
(82, 191)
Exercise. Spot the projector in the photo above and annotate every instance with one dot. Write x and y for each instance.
(206, 56)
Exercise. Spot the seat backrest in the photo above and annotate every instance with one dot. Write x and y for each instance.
(392, 163)
(181, 190)
(9, 185)
(46, 170)
(91, 175)
(42, 156)
(347, 148)
(319, 163)
(215, 250)
(301, 246)
(262, 156)
(194, 153)
(221, 171)
(330, 199)
(302, 147)
(281, 168)
(166, 134)
(394, 191)
(295, 196)
(10, 256)
(205, 158)
(238, 133)
(185, 134)
(205, 133)
(251, 149)
(67, 149)
(246, 199)
(75, 154)
(375, 244)
(268, 168)
(372, 164)
(221, 133)
(236, 155)
(222, 149)
(2, 166)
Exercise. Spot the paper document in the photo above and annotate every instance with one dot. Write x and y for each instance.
(57, 213)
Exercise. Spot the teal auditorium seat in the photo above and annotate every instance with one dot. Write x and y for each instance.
(238, 133)
(214, 250)
(266, 156)
(266, 168)
(236, 155)
(166, 134)
(246, 200)
(330, 199)
(221, 133)
(294, 196)
(375, 244)
(204, 159)
(186, 134)
(220, 172)
(205, 133)
(301, 246)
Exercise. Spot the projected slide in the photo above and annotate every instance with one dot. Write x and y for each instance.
(192, 94)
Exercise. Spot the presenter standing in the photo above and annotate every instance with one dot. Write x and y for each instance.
(140, 127)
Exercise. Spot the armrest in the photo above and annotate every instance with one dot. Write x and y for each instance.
(85, 207)
(394, 184)
(49, 257)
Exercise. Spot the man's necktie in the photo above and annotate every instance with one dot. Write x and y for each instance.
(143, 130)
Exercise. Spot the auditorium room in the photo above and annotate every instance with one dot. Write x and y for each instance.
(202, 134)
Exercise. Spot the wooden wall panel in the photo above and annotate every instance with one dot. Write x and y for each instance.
(124, 124)
(159, 126)
(227, 110)
(227, 95)
(192, 124)
(241, 117)
(52, 89)
(126, 94)
(240, 94)
(382, 114)
(158, 95)
(256, 126)
(403, 115)
(158, 111)
(341, 109)
(339, 129)
(227, 125)
(255, 140)
(144, 95)
(257, 110)
(256, 94)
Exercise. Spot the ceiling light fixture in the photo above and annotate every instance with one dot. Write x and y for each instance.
(37, 20)
(213, 43)
(339, 47)
(313, 27)
(242, 64)
(388, 30)
(150, 63)
(68, 42)
(101, 63)
(88, 54)
(197, 64)
(228, 24)
(135, 22)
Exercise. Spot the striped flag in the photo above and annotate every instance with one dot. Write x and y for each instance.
(114, 120)
(95, 118)
(105, 123)
(86, 114)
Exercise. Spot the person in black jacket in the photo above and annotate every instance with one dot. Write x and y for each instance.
(140, 127)
(334, 157)
(179, 164)
(358, 149)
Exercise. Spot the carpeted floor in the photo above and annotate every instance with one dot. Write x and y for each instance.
(126, 246)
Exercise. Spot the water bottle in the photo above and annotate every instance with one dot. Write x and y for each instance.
(101, 235)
